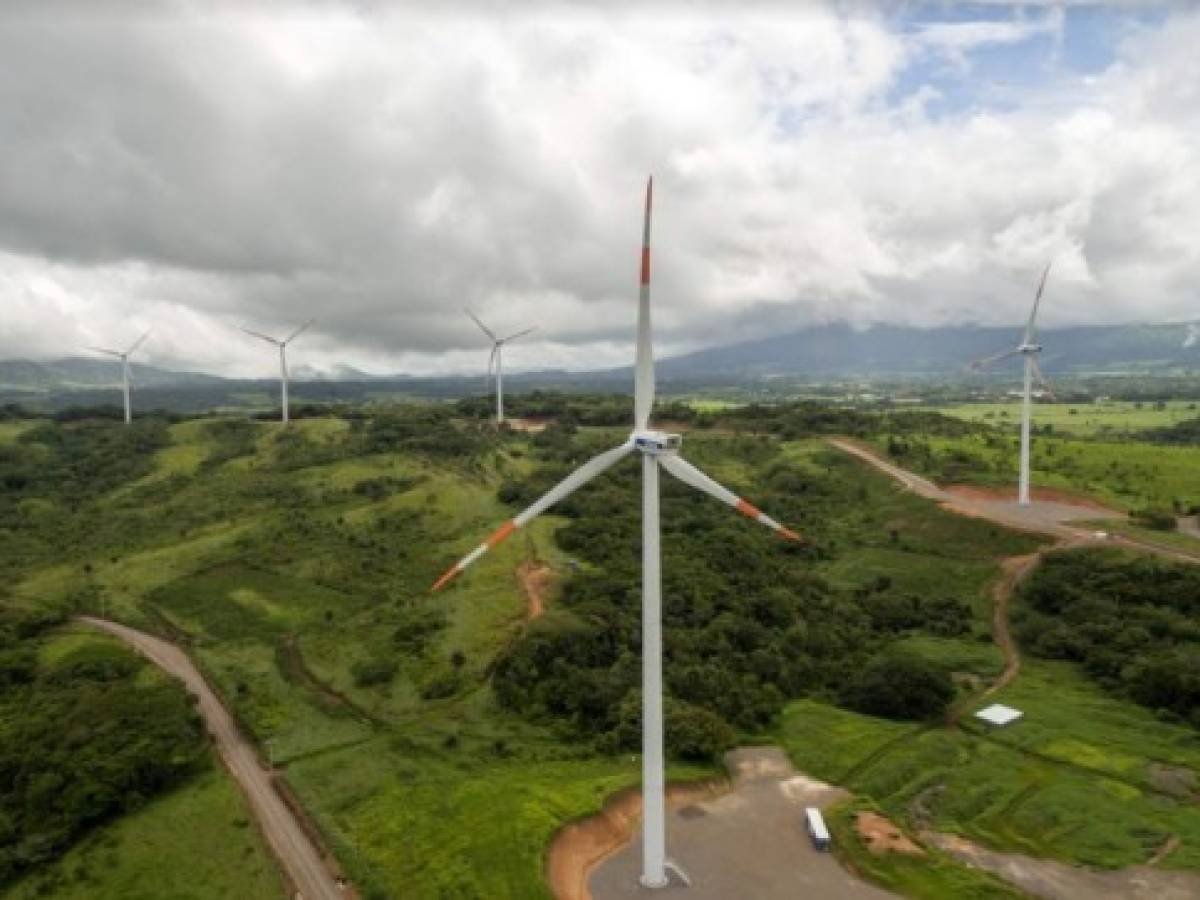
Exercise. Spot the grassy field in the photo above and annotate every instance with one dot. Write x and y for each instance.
(1080, 778)
(290, 562)
(934, 876)
(1103, 417)
(1122, 474)
(197, 843)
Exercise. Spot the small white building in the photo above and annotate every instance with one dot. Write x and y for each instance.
(999, 714)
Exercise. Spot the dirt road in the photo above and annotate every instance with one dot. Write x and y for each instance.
(300, 860)
(535, 577)
(1052, 515)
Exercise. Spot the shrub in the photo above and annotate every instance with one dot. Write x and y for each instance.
(373, 671)
(1158, 519)
(900, 685)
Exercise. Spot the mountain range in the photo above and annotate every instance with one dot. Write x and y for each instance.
(833, 352)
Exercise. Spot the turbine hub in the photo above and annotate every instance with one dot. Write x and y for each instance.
(1030, 348)
(656, 443)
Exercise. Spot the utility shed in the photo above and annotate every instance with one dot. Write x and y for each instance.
(999, 714)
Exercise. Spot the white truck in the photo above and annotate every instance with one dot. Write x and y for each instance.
(816, 828)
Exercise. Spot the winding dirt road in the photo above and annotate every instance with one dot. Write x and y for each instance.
(1052, 518)
(300, 860)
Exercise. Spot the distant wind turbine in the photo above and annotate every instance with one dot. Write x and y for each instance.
(123, 356)
(1028, 348)
(657, 449)
(496, 360)
(283, 369)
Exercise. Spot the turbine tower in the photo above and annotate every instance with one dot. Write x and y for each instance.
(658, 450)
(283, 369)
(1028, 348)
(496, 360)
(124, 358)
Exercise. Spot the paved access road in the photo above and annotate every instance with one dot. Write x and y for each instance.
(292, 848)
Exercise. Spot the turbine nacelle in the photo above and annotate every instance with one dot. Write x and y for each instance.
(1029, 348)
(656, 443)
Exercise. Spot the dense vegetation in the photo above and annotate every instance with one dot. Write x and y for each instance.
(747, 621)
(1132, 622)
(81, 740)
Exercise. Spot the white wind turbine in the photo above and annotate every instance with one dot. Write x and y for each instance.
(496, 360)
(283, 369)
(657, 450)
(123, 356)
(1029, 349)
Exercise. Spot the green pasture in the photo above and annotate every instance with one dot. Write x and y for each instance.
(1101, 417)
(1123, 474)
(1073, 780)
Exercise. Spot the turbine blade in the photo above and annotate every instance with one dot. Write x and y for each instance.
(117, 353)
(260, 336)
(137, 343)
(513, 337)
(1037, 370)
(491, 369)
(568, 485)
(299, 331)
(995, 358)
(1036, 302)
(693, 477)
(483, 327)
(643, 378)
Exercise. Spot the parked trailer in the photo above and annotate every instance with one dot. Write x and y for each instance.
(816, 828)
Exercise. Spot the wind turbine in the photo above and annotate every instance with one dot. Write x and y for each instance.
(658, 450)
(1029, 349)
(497, 360)
(283, 369)
(124, 358)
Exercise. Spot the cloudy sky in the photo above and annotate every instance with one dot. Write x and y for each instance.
(204, 165)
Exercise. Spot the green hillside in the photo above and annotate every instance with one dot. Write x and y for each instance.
(439, 741)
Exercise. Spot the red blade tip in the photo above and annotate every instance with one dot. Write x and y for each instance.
(444, 580)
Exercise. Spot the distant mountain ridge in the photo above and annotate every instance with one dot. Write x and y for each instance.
(889, 350)
(831, 351)
(86, 373)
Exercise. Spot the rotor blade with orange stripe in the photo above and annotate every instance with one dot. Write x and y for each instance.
(578, 478)
(693, 477)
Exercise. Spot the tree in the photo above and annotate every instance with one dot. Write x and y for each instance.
(900, 685)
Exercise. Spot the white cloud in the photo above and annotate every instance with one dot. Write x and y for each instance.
(381, 169)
